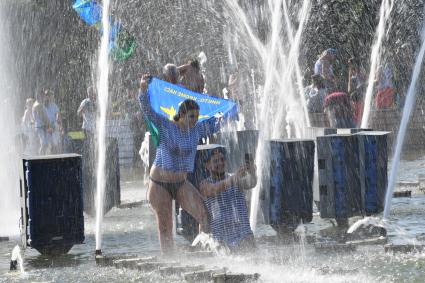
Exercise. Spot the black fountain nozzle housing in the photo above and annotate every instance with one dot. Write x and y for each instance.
(13, 265)
(100, 259)
(105, 260)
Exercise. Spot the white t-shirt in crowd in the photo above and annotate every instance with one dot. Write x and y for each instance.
(88, 109)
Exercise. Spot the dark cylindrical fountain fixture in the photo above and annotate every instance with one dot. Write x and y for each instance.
(100, 259)
(291, 183)
(13, 265)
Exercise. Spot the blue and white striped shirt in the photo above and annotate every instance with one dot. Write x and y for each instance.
(228, 215)
(177, 147)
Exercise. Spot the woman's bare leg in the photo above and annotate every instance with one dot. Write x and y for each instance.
(191, 200)
(160, 201)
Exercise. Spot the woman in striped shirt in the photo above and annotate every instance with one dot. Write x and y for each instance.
(225, 200)
(175, 157)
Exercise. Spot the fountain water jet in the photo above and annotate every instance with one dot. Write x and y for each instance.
(384, 14)
(103, 94)
(407, 111)
(16, 260)
(408, 108)
(9, 153)
(279, 65)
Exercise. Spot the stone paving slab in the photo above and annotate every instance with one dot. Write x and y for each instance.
(153, 265)
(179, 270)
(334, 247)
(235, 277)
(132, 263)
(203, 275)
(404, 248)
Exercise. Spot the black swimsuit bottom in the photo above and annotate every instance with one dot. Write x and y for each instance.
(171, 188)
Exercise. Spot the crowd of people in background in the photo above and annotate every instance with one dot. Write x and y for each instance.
(344, 105)
(42, 128)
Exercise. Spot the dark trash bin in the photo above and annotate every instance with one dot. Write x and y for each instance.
(291, 183)
(339, 176)
(52, 218)
(373, 153)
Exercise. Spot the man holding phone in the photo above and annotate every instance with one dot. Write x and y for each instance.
(225, 200)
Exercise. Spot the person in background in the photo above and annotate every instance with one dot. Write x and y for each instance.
(384, 98)
(356, 89)
(27, 126)
(225, 200)
(87, 110)
(191, 76)
(324, 68)
(56, 123)
(41, 121)
(175, 158)
(315, 94)
(170, 73)
(339, 110)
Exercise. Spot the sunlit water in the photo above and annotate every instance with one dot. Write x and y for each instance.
(375, 58)
(408, 108)
(281, 108)
(9, 146)
(103, 97)
(133, 232)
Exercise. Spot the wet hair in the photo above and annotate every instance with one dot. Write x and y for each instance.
(195, 64)
(170, 70)
(186, 106)
(209, 153)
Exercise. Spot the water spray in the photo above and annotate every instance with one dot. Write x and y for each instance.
(103, 93)
(407, 111)
(384, 14)
(16, 260)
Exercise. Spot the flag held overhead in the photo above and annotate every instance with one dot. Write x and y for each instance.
(165, 100)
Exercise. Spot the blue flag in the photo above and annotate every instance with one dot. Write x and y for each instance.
(89, 11)
(165, 100)
(121, 43)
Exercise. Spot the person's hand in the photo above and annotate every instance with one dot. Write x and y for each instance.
(144, 82)
(251, 169)
(242, 171)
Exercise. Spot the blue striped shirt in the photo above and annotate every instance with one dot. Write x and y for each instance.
(177, 147)
(228, 215)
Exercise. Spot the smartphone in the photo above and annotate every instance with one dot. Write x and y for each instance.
(248, 159)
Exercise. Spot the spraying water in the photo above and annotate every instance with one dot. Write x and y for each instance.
(384, 14)
(103, 94)
(16, 260)
(279, 62)
(408, 107)
(9, 202)
(295, 44)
